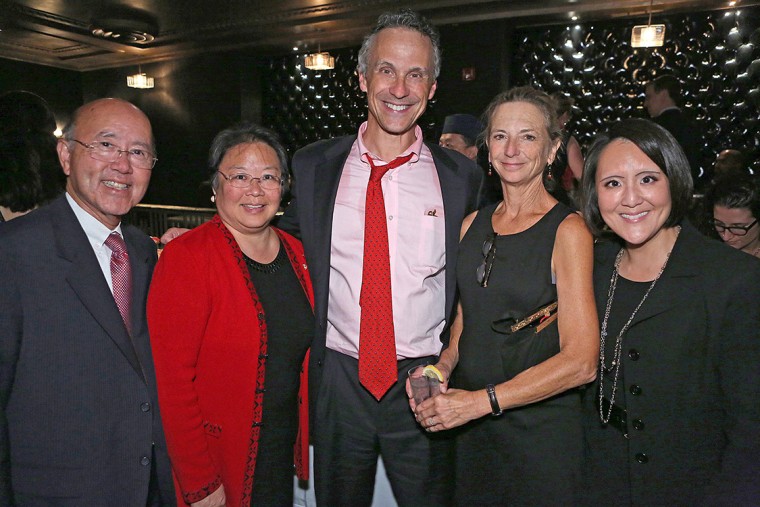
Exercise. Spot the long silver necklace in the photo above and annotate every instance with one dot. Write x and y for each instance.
(617, 351)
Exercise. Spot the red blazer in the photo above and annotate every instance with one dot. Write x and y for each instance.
(207, 331)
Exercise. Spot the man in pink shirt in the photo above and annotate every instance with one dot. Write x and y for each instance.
(426, 195)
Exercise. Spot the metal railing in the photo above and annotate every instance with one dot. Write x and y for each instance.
(154, 219)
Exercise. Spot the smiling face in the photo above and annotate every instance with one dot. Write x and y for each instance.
(106, 190)
(519, 145)
(399, 81)
(633, 192)
(728, 217)
(248, 210)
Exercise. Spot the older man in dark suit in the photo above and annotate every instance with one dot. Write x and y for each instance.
(379, 213)
(79, 422)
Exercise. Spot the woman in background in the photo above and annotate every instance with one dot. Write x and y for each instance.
(734, 202)
(230, 315)
(674, 417)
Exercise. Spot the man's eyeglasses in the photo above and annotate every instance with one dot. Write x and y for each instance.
(489, 254)
(736, 230)
(106, 151)
(244, 180)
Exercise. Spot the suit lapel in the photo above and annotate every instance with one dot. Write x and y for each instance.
(454, 205)
(325, 180)
(87, 281)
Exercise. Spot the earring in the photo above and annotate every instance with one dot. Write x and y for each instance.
(213, 198)
(490, 169)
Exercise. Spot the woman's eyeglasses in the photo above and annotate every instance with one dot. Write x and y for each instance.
(736, 230)
(489, 254)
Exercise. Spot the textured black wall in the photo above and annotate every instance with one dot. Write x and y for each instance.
(716, 56)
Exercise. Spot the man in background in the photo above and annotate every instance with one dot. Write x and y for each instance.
(79, 421)
(460, 133)
(661, 98)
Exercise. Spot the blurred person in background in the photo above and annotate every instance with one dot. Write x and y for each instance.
(734, 200)
(30, 175)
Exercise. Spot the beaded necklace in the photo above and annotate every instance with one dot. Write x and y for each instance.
(617, 351)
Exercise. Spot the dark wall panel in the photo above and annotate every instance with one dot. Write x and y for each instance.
(62, 89)
(193, 99)
(715, 55)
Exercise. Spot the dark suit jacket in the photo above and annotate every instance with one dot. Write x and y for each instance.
(691, 365)
(317, 169)
(685, 130)
(78, 403)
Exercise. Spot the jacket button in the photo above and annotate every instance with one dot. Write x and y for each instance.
(633, 354)
(638, 424)
(145, 407)
(642, 458)
(145, 461)
(635, 390)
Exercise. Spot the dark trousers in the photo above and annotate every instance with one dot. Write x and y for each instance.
(352, 428)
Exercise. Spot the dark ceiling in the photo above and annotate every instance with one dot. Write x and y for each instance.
(85, 35)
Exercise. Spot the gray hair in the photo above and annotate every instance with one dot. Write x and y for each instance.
(243, 133)
(403, 18)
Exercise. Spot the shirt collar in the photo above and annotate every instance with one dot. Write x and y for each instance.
(415, 148)
(96, 232)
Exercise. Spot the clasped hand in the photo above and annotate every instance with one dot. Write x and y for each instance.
(451, 408)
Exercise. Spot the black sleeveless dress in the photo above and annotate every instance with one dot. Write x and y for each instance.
(531, 455)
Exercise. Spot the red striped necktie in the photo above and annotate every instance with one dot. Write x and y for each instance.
(121, 276)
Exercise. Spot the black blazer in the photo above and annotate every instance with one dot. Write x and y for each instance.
(691, 362)
(316, 170)
(78, 411)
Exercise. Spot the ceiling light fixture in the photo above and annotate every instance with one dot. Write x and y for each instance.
(649, 35)
(140, 80)
(319, 61)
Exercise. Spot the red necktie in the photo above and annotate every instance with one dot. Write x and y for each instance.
(121, 276)
(377, 341)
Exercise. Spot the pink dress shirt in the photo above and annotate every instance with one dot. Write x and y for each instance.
(416, 239)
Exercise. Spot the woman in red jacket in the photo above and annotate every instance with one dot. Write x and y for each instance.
(231, 320)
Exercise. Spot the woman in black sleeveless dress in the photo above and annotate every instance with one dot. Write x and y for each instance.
(518, 255)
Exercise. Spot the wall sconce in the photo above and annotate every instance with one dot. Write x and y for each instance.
(319, 61)
(140, 80)
(468, 74)
(649, 35)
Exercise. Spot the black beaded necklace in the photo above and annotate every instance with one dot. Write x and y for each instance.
(270, 268)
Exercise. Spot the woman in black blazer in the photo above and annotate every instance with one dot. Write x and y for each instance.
(674, 415)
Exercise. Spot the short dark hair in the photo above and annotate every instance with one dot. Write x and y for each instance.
(243, 133)
(661, 147)
(30, 175)
(403, 18)
(735, 191)
(669, 83)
